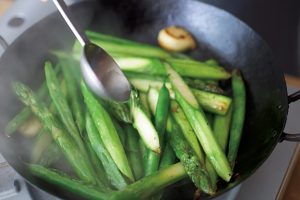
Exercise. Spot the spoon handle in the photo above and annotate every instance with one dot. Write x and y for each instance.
(66, 14)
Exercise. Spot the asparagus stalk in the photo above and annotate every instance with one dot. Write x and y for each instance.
(73, 95)
(77, 159)
(65, 182)
(221, 128)
(62, 105)
(211, 102)
(25, 113)
(128, 49)
(107, 132)
(238, 115)
(150, 185)
(141, 189)
(187, 130)
(133, 152)
(112, 172)
(144, 125)
(186, 68)
(193, 166)
(199, 123)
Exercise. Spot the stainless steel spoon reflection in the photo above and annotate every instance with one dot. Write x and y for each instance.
(100, 72)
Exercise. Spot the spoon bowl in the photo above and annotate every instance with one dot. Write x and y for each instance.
(100, 72)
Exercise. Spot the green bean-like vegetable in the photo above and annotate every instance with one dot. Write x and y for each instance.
(197, 69)
(77, 159)
(61, 105)
(221, 128)
(193, 166)
(149, 185)
(162, 112)
(211, 102)
(186, 68)
(161, 115)
(144, 125)
(238, 115)
(199, 123)
(25, 113)
(73, 95)
(133, 152)
(215, 103)
(107, 131)
(141, 189)
(128, 49)
(187, 130)
(70, 184)
(97, 164)
(112, 172)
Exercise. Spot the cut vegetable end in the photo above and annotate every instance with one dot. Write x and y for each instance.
(146, 130)
(179, 84)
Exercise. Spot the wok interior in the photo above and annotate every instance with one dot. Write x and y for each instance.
(219, 35)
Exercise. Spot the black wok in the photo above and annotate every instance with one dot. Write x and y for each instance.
(219, 35)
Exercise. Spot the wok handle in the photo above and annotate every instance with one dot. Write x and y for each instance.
(287, 136)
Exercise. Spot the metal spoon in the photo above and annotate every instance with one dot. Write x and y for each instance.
(101, 73)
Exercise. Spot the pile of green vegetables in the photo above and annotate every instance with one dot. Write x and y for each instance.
(178, 123)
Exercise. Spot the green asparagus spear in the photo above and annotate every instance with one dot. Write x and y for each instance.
(199, 123)
(161, 115)
(221, 128)
(187, 130)
(70, 184)
(107, 131)
(77, 159)
(238, 115)
(141, 189)
(73, 94)
(24, 114)
(97, 164)
(61, 105)
(110, 167)
(133, 152)
(193, 166)
(186, 68)
(128, 49)
(150, 185)
(211, 102)
(144, 125)
(162, 112)
(197, 69)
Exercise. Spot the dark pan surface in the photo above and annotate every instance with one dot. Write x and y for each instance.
(219, 35)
